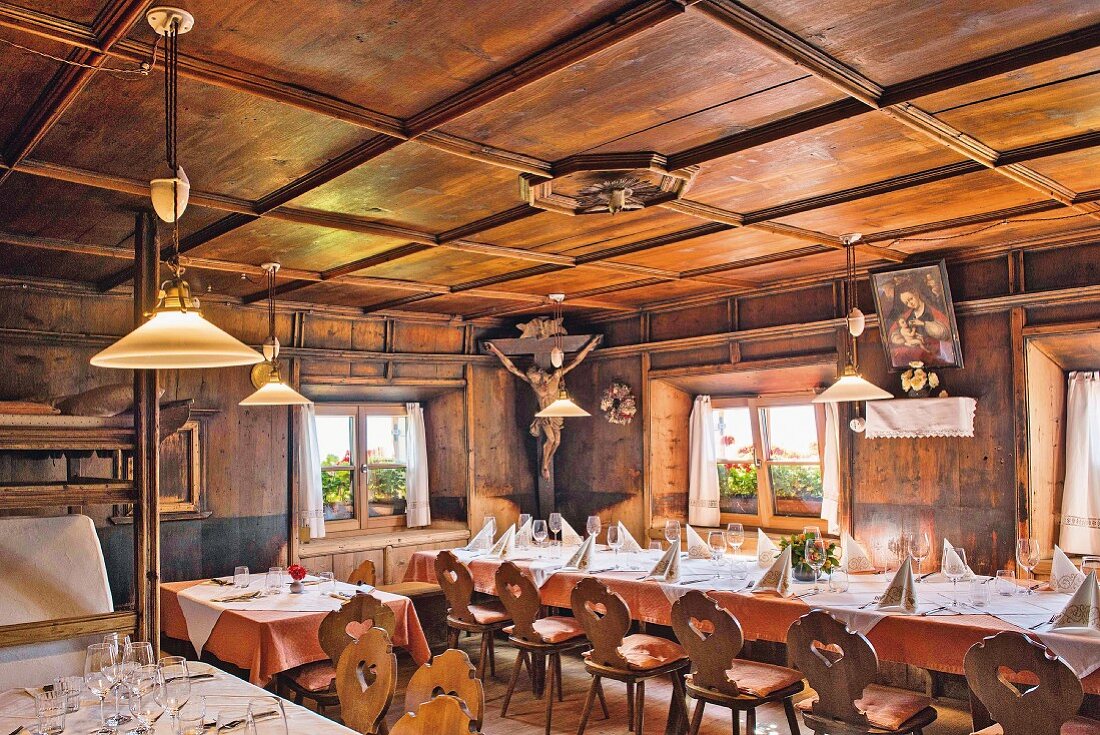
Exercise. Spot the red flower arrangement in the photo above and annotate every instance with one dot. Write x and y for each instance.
(297, 572)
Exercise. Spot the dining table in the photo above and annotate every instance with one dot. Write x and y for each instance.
(213, 693)
(271, 632)
(935, 637)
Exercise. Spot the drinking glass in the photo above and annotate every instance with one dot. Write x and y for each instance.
(555, 523)
(240, 577)
(191, 718)
(672, 533)
(655, 546)
(716, 540)
(953, 566)
(145, 696)
(177, 685)
(615, 541)
(920, 548)
(1006, 583)
(136, 655)
(72, 686)
(592, 525)
(274, 581)
(815, 556)
(735, 536)
(979, 592)
(838, 581)
(1090, 564)
(117, 675)
(810, 532)
(1027, 554)
(266, 716)
(49, 709)
(539, 533)
(328, 582)
(99, 666)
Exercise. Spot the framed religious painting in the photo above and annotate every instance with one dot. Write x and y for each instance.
(917, 317)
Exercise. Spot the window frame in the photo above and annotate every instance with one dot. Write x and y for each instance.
(361, 469)
(766, 517)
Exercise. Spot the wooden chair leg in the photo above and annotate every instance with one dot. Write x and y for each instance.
(792, 716)
(557, 675)
(491, 636)
(512, 682)
(697, 719)
(484, 655)
(639, 708)
(551, 675)
(603, 702)
(736, 721)
(630, 706)
(452, 638)
(595, 687)
(677, 709)
(750, 721)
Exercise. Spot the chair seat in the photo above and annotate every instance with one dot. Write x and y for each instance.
(489, 612)
(411, 589)
(645, 652)
(315, 677)
(884, 707)
(1076, 726)
(760, 679)
(554, 629)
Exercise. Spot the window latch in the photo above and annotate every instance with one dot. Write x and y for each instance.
(364, 468)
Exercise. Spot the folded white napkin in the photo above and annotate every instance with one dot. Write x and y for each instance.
(569, 537)
(766, 551)
(667, 568)
(855, 557)
(949, 551)
(901, 595)
(505, 545)
(629, 543)
(581, 560)
(483, 540)
(1064, 576)
(1082, 612)
(697, 548)
(523, 534)
(778, 576)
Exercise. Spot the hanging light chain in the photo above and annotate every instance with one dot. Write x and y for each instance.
(271, 303)
(171, 87)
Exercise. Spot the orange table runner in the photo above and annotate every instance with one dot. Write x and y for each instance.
(266, 641)
(936, 643)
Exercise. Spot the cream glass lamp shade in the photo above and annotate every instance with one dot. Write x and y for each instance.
(563, 407)
(851, 387)
(276, 393)
(162, 191)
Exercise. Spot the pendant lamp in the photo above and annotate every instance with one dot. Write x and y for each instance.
(563, 407)
(851, 386)
(271, 390)
(176, 334)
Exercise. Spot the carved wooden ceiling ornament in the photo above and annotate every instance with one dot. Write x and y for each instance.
(602, 183)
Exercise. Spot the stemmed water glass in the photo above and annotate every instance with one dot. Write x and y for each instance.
(735, 538)
(1027, 554)
(716, 540)
(920, 547)
(100, 666)
(592, 525)
(672, 533)
(815, 556)
(539, 533)
(953, 566)
(177, 685)
(615, 541)
(118, 673)
(555, 524)
(145, 696)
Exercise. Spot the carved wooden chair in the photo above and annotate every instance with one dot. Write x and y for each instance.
(840, 666)
(449, 674)
(366, 679)
(444, 715)
(1025, 689)
(364, 574)
(464, 615)
(631, 659)
(339, 629)
(712, 638)
(537, 638)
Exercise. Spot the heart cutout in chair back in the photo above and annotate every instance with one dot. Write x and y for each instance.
(514, 590)
(830, 654)
(702, 628)
(367, 675)
(451, 576)
(356, 629)
(1014, 680)
(598, 609)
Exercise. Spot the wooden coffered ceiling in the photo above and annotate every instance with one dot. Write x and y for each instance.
(376, 150)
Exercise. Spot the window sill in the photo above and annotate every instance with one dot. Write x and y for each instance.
(369, 541)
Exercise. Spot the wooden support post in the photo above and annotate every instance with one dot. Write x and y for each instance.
(547, 495)
(293, 511)
(146, 444)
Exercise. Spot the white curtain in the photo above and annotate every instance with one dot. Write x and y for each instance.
(1081, 498)
(703, 495)
(830, 479)
(417, 509)
(311, 504)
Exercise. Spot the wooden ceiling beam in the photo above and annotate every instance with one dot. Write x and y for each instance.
(49, 27)
(508, 216)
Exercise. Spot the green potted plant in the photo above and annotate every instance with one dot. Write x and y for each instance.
(803, 572)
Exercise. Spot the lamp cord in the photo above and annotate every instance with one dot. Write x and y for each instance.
(171, 86)
(271, 304)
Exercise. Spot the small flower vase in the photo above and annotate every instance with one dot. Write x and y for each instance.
(803, 573)
(296, 587)
(918, 382)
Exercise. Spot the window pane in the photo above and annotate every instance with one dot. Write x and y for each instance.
(733, 428)
(336, 490)
(796, 489)
(385, 440)
(335, 438)
(737, 486)
(792, 433)
(386, 492)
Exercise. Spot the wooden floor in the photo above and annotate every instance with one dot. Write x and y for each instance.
(526, 714)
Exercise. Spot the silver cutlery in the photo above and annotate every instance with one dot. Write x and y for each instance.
(804, 595)
(864, 606)
(925, 576)
(221, 582)
(1045, 622)
(926, 613)
(16, 731)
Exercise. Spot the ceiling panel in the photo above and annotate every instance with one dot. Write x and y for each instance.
(23, 76)
(724, 247)
(446, 267)
(19, 261)
(668, 72)
(660, 292)
(571, 281)
(347, 294)
(1051, 225)
(81, 11)
(1077, 170)
(460, 304)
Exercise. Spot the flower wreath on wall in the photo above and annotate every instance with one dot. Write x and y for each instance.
(618, 404)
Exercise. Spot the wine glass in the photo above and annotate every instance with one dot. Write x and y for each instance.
(716, 540)
(539, 533)
(177, 685)
(592, 525)
(672, 533)
(920, 548)
(1027, 554)
(815, 556)
(99, 667)
(145, 697)
(953, 566)
(118, 673)
(735, 536)
(555, 524)
(811, 532)
(615, 541)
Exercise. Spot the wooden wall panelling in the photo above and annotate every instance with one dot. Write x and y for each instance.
(670, 452)
(445, 424)
(1045, 458)
(396, 558)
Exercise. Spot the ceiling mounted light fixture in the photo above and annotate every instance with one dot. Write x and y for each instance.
(563, 406)
(851, 386)
(176, 334)
(271, 390)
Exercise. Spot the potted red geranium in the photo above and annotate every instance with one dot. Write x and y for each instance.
(297, 574)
